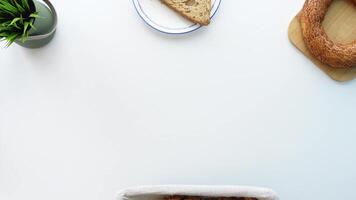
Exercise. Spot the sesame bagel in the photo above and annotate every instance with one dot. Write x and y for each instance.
(319, 44)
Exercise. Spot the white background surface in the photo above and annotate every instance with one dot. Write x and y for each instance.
(111, 103)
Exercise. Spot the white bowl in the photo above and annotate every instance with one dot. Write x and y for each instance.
(160, 191)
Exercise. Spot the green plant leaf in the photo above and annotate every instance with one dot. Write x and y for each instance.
(19, 7)
(25, 27)
(21, 19)
(25, 4)
(34, 15)
(7, 6)
(11, 39)
(13, 22)
(5, 10)
(31, 24)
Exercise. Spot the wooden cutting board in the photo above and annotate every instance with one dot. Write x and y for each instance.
(340, 25)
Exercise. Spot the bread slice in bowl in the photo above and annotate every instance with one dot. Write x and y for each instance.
(196, 11)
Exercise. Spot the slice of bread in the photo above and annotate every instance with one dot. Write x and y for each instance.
(197, 11)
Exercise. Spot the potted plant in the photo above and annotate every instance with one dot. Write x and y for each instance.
(29, 23)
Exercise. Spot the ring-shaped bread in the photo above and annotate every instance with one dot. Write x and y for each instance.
(319, 44)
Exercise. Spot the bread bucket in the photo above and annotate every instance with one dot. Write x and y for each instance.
(159, 192)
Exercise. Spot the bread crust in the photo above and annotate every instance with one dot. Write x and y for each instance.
(177, 197)
(203, 23)
(319, 44)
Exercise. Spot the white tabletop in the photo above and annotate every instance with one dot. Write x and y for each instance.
(111, 103)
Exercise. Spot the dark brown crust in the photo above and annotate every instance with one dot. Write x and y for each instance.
(319, 44)
(179, 197)
(206, 23)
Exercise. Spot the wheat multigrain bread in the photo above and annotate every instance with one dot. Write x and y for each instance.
(197, 11)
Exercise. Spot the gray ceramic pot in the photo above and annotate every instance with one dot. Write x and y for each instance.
(45, 25)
